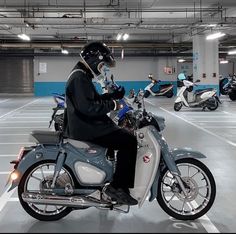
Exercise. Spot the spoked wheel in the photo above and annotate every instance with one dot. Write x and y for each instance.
(213, 104)
(38, 178)
(200, 187)
(178, 106)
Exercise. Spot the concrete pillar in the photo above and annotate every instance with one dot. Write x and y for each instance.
(206, 62)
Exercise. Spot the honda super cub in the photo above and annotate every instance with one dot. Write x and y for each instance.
(206, 98)
(58, 175)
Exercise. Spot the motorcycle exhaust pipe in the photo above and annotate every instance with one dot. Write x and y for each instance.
(72, 201)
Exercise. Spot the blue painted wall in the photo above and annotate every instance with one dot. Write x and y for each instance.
(47, 88)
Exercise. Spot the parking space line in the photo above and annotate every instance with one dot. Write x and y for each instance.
(16, 143)
(5, 100)
(203, 129)
(7, 155)
(19, 108)
(5, 198)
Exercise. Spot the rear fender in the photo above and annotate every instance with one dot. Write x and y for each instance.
(40, 153)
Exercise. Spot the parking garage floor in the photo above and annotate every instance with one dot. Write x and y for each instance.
(211, 132)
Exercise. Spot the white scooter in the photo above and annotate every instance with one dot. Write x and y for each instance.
(164, 90)
(206, 98)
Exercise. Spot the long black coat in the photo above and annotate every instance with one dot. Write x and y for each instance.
(87, 110)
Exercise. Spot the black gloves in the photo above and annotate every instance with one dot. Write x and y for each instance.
(118, 93)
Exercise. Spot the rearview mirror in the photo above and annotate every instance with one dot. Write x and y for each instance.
(197, 81)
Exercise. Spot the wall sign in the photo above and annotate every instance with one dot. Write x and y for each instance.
(42, 67)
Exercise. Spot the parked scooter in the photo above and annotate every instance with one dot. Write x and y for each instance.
(164, 90)
(230, 88)
(58, 118)
(205, 98)
(58, 175)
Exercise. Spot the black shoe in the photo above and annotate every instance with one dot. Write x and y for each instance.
(120, 196)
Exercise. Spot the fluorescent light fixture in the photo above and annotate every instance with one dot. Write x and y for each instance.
(212, 25)
(232, 52)
(125, 36)
(64, 51)
(181, 60)
(215, 36)
(118, 37)
(224, 61)
(24, 37)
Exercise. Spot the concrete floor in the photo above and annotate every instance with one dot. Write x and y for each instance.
(212, 133)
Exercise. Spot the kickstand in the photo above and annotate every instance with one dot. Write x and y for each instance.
(122, 210)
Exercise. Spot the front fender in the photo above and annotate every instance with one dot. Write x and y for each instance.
(179, 153)
(40, 153)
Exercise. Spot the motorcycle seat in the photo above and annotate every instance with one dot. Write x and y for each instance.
(46, 137)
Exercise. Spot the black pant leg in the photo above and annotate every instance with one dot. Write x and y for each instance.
(126, 144)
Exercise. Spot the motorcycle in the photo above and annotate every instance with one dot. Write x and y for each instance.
(204, 98)
(58, 118)
(58, 175)
(164, 90)
(231, 88)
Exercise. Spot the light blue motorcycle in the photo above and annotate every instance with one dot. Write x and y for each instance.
(58, 175)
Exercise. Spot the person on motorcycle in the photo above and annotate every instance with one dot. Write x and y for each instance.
(87, 118)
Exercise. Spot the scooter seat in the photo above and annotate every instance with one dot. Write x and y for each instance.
(199, 91)
(46, 137)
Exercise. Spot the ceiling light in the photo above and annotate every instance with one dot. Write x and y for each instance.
(212, 25)
(125, 36)
(118, 37)
(232, 52)
(224, 61)
(24, 37)
(63, 51)
(181, 60)
(215, 36)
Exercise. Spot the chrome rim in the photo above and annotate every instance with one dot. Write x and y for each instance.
(198, 190)
(37, 180)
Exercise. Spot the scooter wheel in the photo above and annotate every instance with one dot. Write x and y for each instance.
(146, 94)
(170, 94)
(178, 106)
(213, 107)
(232, 96)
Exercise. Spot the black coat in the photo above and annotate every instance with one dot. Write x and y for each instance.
(87, 110)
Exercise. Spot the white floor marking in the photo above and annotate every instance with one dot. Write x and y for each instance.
(231, 127)
(5, 198)
(13, 199)
(7, 155)
(19, 108)
(14, 134)
(215, 121)
(4, 122)
(25, 127)
(28, 117)
(203, 129)
(5, 172)
(16, 143)
(5, 100)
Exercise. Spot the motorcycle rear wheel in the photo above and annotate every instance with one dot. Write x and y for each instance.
(169, 94)
(201, 190)
(31, 177)
(212, 108)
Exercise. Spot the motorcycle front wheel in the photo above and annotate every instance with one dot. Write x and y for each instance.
(178, 106)
(39, 177)
(200, 187)
(232, 96)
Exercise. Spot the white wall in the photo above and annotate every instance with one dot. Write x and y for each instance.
(128, 69)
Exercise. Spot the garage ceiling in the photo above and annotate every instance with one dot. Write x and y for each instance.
(156, 27)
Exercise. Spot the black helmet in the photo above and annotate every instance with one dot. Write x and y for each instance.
(94, 53)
